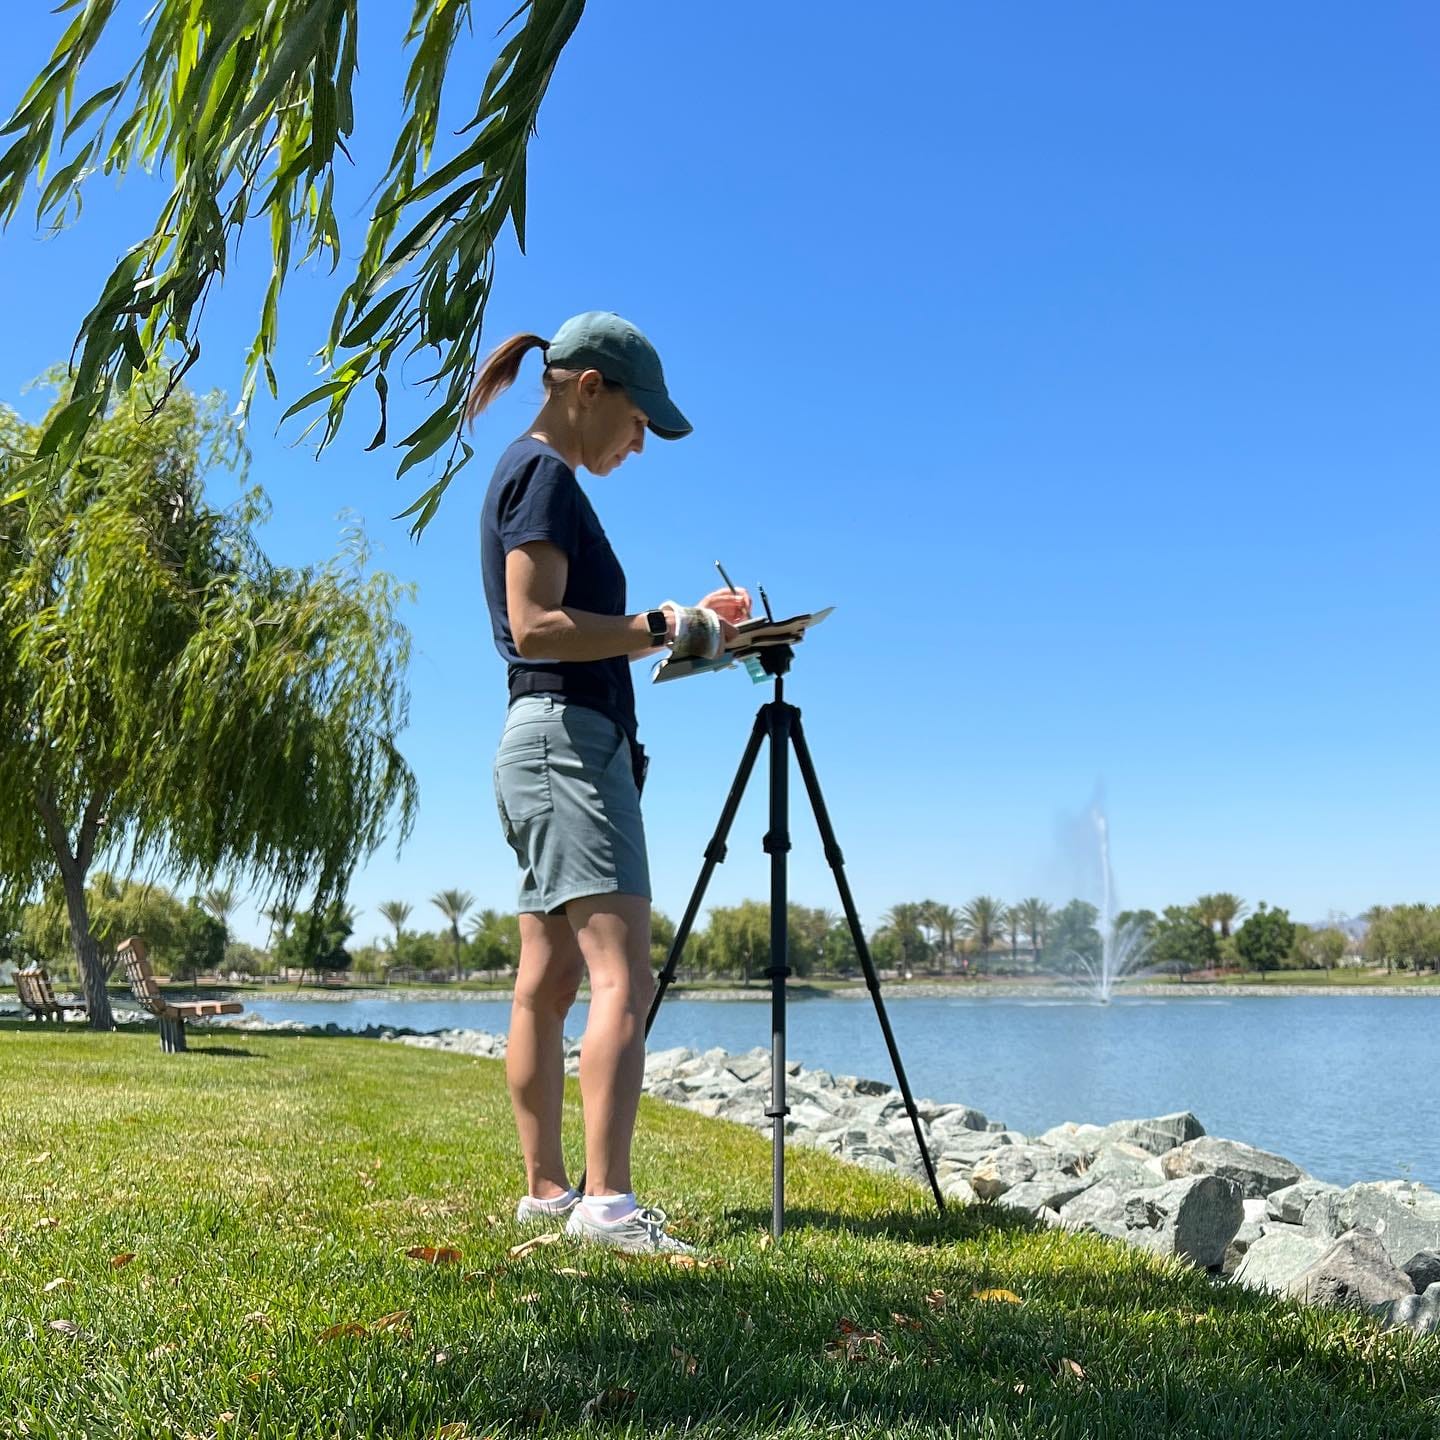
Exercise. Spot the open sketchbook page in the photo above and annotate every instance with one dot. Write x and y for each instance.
(753, 637)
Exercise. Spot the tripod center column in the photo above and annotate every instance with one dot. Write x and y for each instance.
(777, 846)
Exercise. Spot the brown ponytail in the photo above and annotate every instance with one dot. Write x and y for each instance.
(499, 371)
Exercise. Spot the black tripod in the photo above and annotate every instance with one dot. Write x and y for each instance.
(779, 722)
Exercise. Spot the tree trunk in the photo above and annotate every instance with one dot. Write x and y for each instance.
(74, 866)
(87, 952)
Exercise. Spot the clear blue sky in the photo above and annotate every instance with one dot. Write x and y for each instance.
(1084, 357)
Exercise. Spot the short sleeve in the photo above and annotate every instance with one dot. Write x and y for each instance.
(540, 501)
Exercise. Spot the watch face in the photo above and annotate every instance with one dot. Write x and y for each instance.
(656, 621)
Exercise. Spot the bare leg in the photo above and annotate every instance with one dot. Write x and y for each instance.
(545, 985)
(613, 932)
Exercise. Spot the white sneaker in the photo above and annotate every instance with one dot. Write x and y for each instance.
(529, 1212)
(641, 1233)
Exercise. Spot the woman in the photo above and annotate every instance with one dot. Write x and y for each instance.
(569, 768)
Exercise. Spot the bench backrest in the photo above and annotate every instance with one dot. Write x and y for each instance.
(35, 989)
(143, 986)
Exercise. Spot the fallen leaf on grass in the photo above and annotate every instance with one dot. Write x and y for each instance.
(855, 1344)
(259, 1377)
(64, 1327)
(61, 1282)
(46, 1222)
(572, 1271)
(691, 1262)
(688, 1364)
(257, 1320)
(39, 1159)
(906, 1322)
(341, 1331)
(935, 1299)
(119, 1262)
(167, 1347)
(1067, 1369)
(526, 1247)
(766, 1240)
(396, 1322)
(1008, 1296)
(224, 1417)
(434, 1255)
(607, 1402)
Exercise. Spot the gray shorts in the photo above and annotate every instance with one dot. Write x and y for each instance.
(565, 789)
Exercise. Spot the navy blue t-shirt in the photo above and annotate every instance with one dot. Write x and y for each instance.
(534, 495)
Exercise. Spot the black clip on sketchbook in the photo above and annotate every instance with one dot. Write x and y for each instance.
(755, 636)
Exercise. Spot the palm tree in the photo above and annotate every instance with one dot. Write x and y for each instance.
(981, 920)
(1035, 917)
(905, 920)
(1227, 909)
(945, 919)
(281, 916)
(221, 902)
(396, 913)
(453, 904)
(1012, 920)
(1206, 909)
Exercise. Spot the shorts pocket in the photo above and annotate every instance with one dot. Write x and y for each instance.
(595, 738)
(522, 780)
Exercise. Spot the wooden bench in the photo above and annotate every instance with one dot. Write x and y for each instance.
(38, 996)
(146, 990)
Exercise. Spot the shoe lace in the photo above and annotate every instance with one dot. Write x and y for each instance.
(653, 1220)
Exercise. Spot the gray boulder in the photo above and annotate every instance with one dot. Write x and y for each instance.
(952, 1117)
(1277, 1257)
(1354, 1272)
(1194, 1218)
(953, 1185)
(1252, 1227)
(1423, 1270)
(968, 1147)
(1420, 1313)
(1126, 1167)
(1289, 1204)
(1000, 1171)
(1256, 1172)
(1404, 1214)
(1048, 1191)
(1101, 1208)
(1157, 1135)
(1071, 1136)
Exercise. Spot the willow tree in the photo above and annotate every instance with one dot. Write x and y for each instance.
(171, 700)
(245, 105)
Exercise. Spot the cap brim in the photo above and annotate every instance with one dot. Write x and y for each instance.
(662, 414)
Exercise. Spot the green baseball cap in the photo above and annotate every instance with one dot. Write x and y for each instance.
(600, 340)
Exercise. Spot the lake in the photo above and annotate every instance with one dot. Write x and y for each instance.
(1340, 1085)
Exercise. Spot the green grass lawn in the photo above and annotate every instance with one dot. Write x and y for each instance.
(269, 1186)
(1339, 979)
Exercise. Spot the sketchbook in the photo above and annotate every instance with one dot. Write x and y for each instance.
(753, 637)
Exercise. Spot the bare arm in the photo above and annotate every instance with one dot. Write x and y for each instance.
(535, 576)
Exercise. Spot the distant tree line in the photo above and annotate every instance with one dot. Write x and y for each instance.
(189, 936)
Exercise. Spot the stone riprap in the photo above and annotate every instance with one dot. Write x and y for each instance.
(1159, 1182)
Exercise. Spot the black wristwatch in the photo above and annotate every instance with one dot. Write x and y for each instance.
(659, 625)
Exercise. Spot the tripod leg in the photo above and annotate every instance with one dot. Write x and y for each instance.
(836, 862)
(714, 855)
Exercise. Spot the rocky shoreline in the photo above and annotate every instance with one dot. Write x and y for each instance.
(1160, 1183)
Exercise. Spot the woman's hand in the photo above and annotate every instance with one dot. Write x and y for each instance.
(732, 606)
